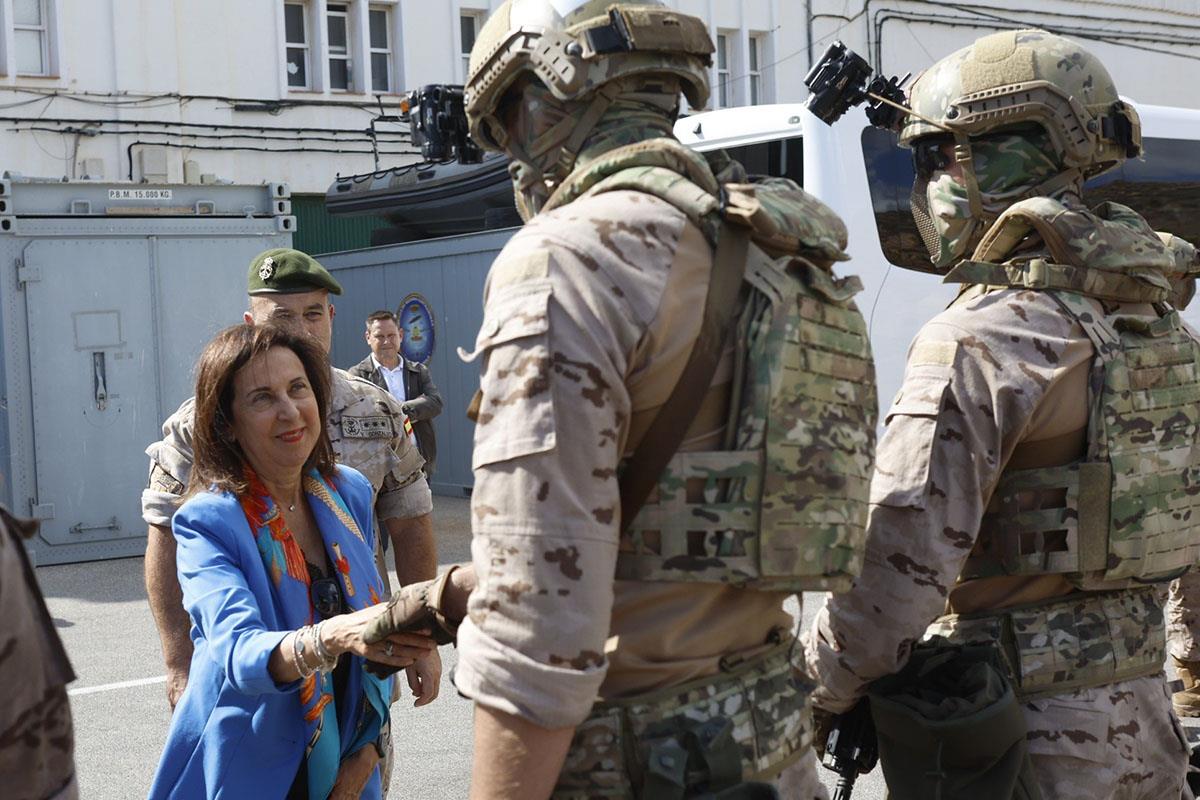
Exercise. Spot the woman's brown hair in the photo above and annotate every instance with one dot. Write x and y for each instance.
(219, 462)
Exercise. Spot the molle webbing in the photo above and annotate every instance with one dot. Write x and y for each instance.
(783, 504)
(748, 722)
(1130, 510)
(1074, 642)
(785, 508)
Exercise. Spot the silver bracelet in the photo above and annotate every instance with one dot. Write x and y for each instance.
(298, 661)
(328, 661)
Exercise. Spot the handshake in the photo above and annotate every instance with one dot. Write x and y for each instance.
(416, 608)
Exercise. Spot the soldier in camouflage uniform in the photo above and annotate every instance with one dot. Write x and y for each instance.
(594, 315)
(37, 739)
(1037, 474)
(368, 432)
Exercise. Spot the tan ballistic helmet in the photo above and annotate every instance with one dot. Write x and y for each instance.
(1028, 76)
(576, 47)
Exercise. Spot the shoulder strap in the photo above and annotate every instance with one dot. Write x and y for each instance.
(1132, 286)
(665, 434)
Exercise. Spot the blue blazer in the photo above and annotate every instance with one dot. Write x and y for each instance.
(236, 733)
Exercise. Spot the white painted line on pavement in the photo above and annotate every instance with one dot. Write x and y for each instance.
(109, 687)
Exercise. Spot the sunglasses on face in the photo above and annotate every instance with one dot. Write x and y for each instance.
(326, 597)
(929, 157)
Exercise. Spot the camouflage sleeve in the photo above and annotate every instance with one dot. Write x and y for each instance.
(556, 339)
(974, 376)
(170, 468)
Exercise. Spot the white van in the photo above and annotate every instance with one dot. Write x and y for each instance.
(859, 171)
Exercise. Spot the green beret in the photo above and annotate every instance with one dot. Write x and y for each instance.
(287, 271)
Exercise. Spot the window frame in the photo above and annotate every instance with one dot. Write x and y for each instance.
(307, 46)
(755, 85)
(347, 16)
(45, 12)
(464, 52)
(389, 51)
(723, 90)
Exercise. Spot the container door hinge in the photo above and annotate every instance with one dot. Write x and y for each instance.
(28, 274)
(40, 510)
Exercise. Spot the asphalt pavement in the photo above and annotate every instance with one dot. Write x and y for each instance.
(119, 699)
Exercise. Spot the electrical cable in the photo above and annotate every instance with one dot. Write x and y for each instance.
(206, 125)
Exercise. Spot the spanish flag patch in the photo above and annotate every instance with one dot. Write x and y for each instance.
(407, 426)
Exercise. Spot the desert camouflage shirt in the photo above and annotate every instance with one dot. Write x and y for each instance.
(37, 741)
(590, 313)
(366, 428)
(1004, 370)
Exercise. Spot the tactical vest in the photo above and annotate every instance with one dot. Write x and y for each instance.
(1128, 512)
(783, 505)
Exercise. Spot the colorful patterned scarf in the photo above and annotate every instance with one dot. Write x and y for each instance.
(354, 565)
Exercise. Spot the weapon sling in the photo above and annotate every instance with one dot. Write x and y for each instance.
(675, 416)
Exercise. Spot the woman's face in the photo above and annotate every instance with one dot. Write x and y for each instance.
(275, 415)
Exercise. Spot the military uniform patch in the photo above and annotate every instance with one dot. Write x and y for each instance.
(379, 427)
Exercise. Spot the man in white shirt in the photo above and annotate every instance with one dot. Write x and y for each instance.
(408, 381)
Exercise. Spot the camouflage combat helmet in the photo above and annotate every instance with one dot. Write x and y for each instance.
(575, 47)
(1029, 113)
(1028, 76)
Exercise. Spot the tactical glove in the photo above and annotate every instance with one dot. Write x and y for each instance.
(415, 607)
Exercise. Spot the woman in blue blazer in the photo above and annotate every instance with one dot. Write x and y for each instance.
(275, 558)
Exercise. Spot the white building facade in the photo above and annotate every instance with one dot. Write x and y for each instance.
(299, 91)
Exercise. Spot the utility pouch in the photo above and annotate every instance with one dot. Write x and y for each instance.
(716, 737)
(950, 726)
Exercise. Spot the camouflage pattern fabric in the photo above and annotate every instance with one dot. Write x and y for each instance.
(1006, 168)
(1081, 641)
(764, 701)
(1183, 617)
(589, 316)
(1128, 510)
(366, 428)
(1025, 76)
(1119, 742)
(804, 431)
(984, 378)
(37, 738)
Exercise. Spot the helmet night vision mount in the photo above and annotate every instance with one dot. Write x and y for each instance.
(438, 124)
(842, 79)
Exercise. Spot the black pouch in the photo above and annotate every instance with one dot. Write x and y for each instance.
(950, 727)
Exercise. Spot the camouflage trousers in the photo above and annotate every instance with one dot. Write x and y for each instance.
(1183, 617)
(750, 722)
(1115, 742)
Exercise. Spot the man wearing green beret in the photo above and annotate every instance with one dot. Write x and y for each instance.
(366, 428)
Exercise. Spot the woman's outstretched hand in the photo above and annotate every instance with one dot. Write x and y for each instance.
(344, 634)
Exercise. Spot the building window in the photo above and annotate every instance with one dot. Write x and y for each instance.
(468, 25)
(381, 49)
(31, 37)
(295, 25)
(723, 60)
(755, 44)
(338, 29)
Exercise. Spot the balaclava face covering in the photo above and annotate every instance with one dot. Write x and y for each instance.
(1008, 168)
(542, 125)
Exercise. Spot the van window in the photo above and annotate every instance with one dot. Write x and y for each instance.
(1164, 187)
(780, 158)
